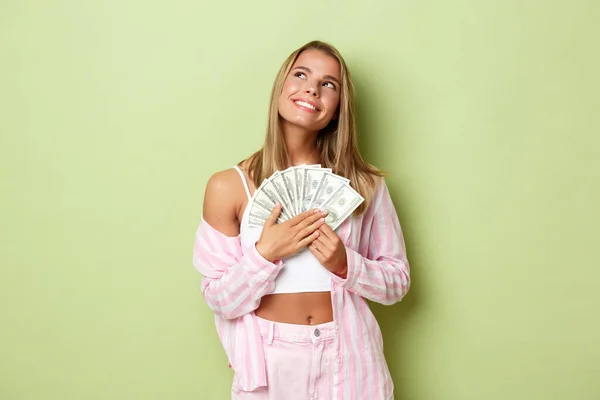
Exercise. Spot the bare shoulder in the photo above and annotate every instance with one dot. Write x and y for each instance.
(223, 198)
(223, 182)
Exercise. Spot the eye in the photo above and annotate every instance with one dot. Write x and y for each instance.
(329, 85)
(300, 75)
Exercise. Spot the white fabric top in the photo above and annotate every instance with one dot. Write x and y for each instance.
(301, 272)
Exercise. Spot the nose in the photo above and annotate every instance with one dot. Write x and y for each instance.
(311, 91)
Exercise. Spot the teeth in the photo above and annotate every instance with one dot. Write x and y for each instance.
(305, 104)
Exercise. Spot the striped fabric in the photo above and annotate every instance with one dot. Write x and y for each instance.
(235, 279)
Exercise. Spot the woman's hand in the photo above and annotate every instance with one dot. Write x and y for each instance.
(329, 249)
(281, 240)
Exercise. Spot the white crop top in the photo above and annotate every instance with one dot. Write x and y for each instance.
(301, 272)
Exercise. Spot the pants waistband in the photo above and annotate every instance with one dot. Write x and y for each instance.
(296, 333)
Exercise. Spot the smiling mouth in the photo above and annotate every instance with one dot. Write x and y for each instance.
(305, 105)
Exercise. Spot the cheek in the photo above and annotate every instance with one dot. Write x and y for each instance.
(290, 87)
(332, 102)
(288, 90)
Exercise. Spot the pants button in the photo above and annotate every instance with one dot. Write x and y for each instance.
(317, 333)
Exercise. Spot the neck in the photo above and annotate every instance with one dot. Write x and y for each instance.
(301, 144)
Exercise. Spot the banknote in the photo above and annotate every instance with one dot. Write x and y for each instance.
(258, 215)
(310, 183)
(328, 185)
(298, 185)
(289, 182)
(256, 223)
(340, 205)
(276, 194)
(266, 196)
(257, 212)
(300, 188)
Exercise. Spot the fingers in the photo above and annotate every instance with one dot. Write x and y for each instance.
(309, 239)
(304, 230)
(272, 220)
(310, 215)
(309, 221)
(323, 242)
(330, 233)
(323, 249)
(315, 251)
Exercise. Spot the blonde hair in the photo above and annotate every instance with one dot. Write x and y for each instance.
(337, 142)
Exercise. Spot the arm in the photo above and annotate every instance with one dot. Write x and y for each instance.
(383, 276)
(234, 279)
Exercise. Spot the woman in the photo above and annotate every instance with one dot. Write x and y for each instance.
(315, 337)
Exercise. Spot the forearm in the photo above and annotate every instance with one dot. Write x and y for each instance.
(238, 289)
(384, 281)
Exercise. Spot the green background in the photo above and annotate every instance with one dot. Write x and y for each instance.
(113, 115)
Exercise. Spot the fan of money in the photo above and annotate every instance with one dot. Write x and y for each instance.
(302, 188)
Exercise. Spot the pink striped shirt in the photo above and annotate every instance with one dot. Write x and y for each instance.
(235, 280)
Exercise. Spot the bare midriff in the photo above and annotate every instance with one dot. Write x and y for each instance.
(297, 308)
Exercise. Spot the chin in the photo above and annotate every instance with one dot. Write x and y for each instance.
(299, 121)
(304, 124)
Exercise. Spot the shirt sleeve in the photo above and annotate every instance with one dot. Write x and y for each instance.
(383, 275)
(234, 279)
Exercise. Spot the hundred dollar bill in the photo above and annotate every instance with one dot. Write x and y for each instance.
(298, 183)
(268, 191)
(255, 223)
(266, 197)
(280, 189)
(289, 180)
(257, 212)
(259, 223)
(327, 186)
(310, 183)
(341, 205)
(258, 215)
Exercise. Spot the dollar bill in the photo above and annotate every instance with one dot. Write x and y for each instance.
(310, 183)
(266, 197)
(255, 223)
(289, 181)
(301, 188)
(258, 215)
(340, 205)
(328, 185)
(282, 193)
(257, 212)
(298, 183)
(267, 194)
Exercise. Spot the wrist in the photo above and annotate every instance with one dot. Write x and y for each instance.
(264, 253)
(342, 271)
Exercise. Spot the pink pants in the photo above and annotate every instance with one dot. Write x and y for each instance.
(300, 362)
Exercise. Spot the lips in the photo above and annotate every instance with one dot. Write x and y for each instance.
(306, 105)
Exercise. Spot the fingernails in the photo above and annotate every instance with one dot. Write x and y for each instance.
(316, 210)
(324, 213)
(322, 220)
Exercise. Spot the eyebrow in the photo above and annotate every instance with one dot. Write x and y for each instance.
(326, 76)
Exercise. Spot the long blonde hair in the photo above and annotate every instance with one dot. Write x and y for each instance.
(337, 142)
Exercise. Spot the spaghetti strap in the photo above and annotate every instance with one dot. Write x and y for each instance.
(243, 181)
